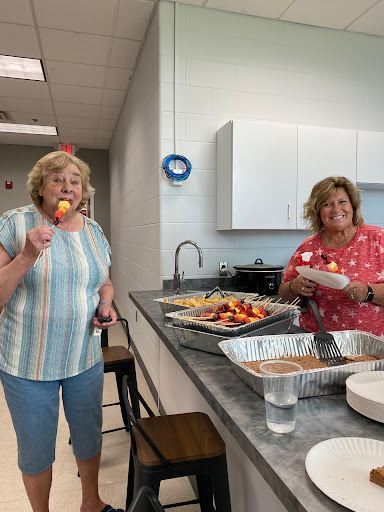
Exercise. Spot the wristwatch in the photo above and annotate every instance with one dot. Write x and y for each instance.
(370, 295)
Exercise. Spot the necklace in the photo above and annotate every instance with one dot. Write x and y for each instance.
(344, 243)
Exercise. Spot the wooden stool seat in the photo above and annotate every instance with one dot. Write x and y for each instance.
(119, 354)
(179, 437)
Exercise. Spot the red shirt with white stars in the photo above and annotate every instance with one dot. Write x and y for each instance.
(361, 260)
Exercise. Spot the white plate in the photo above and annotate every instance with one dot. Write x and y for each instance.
(340, 468)
(365, 394)
(330, 279)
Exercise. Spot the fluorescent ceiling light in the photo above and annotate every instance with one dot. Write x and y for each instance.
(28, 128)
(19, 67)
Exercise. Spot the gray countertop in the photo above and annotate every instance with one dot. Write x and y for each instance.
(279, 458)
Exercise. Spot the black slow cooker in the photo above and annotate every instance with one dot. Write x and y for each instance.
(258, 277)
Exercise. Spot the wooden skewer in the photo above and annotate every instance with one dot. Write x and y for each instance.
(287, 305)
(40, 253)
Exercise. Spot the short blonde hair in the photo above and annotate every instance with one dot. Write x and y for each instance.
(321, 192)
(56, 161)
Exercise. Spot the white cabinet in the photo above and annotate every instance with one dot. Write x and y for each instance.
(370, 159)
(256, 175)
(322, 152)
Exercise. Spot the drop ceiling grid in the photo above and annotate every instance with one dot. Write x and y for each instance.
(90, 50)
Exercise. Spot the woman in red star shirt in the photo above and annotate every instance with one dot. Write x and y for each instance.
(333, 214)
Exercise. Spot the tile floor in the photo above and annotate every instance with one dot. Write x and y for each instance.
(66, 490)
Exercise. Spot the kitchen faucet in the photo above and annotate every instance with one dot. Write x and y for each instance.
(176, 275)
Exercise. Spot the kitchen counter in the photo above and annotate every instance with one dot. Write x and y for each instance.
(280, 459)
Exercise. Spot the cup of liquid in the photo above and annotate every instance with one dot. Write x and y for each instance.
(281, 381)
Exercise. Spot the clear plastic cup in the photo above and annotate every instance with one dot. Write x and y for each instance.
(281, 381)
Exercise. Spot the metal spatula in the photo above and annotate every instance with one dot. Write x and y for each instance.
(324, 343)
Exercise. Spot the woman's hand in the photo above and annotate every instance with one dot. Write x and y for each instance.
(356, 291)
(105, 311)
(301, 286)
(37, 239)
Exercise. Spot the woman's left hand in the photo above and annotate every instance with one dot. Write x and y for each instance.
(356, 291)
(105, 311)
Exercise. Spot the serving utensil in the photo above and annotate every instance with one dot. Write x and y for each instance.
(324, 343)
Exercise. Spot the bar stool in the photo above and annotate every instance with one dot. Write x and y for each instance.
(171, 446)
(119, 360)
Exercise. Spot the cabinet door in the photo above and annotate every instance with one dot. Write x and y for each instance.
(370, 157)
(264, 175)
(322, 152)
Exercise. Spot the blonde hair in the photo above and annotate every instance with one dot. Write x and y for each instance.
(52, 162)
(321, 192)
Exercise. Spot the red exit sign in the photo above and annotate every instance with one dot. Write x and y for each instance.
(67, 148)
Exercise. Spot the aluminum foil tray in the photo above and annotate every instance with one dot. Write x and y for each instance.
(181, 319)
(209, 342)
(169, 307)
(321, 381)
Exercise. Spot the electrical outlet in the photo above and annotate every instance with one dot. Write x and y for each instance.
(223, 268)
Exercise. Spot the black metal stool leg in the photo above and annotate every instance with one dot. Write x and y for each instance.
(131, 480)
(135, 402)
(205, 493)
(220, 486)
(119, 383)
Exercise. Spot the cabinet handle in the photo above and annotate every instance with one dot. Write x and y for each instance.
(289, 211)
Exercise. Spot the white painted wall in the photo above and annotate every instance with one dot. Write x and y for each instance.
(134, 171)
(228, 66)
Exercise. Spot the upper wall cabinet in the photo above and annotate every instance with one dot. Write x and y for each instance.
(256, 175)
(370, 159)
(322, 152)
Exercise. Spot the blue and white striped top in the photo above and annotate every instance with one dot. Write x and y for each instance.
(46, 329)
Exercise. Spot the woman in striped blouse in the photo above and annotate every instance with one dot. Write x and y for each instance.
(52, 279)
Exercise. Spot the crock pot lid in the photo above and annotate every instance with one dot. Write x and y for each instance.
(258, 265)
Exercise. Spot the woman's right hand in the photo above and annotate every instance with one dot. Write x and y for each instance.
(301, 286)
(37, 239)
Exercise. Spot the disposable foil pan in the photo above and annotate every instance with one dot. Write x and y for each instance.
(169, 307)
(182, 319)
(321, 381)
(209, 342)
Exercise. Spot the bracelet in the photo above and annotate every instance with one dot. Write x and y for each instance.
(107, 303)
(289, 289)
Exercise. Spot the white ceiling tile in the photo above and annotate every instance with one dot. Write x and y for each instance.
(124, 53)
(74, 47)
(74, 94)
(77, 16)
(77, 132)
(19, 41)
(109, 112)
(118, 78)
(24, 105)
(336, 14)
(132, 19)
(106, 124)
(78, 141)
(102, 143)
(104, 134)
(42, 119)
(14, 88)
(113, 98)
(77, 122)
(263, 8)
(76, 109)
(16, 11)
(371, 22)
(75, 74)
(191, 2)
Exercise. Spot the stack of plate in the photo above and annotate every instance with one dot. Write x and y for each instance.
(365, 394)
